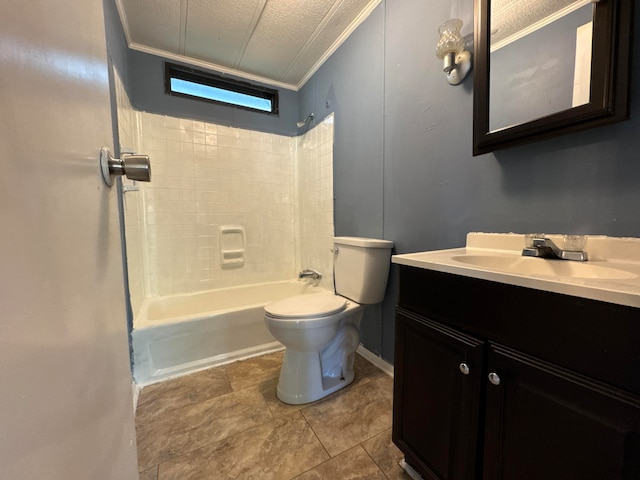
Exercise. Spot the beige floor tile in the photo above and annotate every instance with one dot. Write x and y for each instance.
(150, 474)
(254, 370)
(386, 455)
(186, 429)
(226, 422)
(278, 450)
(364, 368)
(354, 464)
(163, 397)
(353, 417)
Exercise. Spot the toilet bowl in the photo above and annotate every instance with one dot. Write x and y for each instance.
(320, 331)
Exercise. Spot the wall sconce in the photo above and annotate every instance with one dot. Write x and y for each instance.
(450, 49)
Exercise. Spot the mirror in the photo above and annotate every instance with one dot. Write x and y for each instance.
(548, 67)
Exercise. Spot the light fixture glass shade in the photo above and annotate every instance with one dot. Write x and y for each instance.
(450, 39)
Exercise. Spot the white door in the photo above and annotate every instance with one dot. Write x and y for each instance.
(66, 407)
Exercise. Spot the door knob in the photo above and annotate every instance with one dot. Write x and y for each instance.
(494, 378)
(464, 368)
(134, 167)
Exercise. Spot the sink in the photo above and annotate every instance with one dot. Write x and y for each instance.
(540, 266)
(612, 273)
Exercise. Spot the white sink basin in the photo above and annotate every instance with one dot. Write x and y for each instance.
(612, 273)
(542, 266)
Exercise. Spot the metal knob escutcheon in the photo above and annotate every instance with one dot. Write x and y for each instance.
(134, 167)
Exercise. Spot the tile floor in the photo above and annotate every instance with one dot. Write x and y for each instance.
(226, 423)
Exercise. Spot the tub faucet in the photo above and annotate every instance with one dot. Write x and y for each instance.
(545, 248)
(309, 273)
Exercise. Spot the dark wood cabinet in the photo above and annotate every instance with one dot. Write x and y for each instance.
(519, 413)
(546, 422)
(435, 419)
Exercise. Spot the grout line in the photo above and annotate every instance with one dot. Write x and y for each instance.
(317, 438)
(373, 459)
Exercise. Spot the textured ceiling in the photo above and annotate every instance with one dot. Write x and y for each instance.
(279, 42)
(512, 19)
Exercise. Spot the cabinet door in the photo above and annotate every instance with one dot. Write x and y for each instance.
(547, 423)
(438, 377)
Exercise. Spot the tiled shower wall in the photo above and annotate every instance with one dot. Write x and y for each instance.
(315, 200)
(128, 131)
(205, 176)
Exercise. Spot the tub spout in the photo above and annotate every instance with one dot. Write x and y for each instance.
(309, 273)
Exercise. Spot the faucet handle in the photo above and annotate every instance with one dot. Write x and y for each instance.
(539, 242)
(530, 238)
(574, 243)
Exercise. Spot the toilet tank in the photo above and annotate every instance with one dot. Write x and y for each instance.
(361, 268)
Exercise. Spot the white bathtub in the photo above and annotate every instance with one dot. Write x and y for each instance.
(184, 333)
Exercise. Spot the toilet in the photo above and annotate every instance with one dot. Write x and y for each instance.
(320, 330)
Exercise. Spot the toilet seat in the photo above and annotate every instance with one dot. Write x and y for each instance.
(306, 306)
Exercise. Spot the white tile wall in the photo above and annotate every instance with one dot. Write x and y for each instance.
(205, 176)
(128, 130)
(315, 199)
(280, 189)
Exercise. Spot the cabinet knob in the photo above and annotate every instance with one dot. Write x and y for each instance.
(464, 368)
(494, 378)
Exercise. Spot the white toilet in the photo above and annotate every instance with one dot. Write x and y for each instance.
(320, 331)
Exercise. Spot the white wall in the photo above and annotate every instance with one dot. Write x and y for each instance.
(65, 384)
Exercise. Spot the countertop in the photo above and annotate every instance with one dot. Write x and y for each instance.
(608, 257)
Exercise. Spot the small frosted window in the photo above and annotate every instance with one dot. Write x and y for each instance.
(200, 85)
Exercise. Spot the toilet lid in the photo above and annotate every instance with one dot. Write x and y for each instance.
(304, 306)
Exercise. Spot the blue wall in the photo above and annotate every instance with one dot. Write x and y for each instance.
(404, 168)
(146, 92)
(117, 55)
(352, 81)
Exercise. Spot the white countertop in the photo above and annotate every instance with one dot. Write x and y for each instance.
(612, 271)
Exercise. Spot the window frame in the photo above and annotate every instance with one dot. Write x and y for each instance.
(180, 72)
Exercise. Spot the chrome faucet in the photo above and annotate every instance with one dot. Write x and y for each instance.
(545, 248)
(309, 273)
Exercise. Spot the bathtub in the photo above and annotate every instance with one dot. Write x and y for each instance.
(184, 333)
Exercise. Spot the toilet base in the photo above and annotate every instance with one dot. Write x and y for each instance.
(301, 380)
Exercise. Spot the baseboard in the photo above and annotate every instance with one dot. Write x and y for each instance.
(409, 470)
(135, 388)
(375, 359)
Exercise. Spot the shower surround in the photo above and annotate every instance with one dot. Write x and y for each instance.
(278, 190)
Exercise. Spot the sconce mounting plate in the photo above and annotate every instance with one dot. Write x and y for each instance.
(462, 67)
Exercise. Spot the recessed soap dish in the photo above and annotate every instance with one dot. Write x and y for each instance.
(232, 244)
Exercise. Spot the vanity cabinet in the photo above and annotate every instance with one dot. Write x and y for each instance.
(495, 381)
(436, 418)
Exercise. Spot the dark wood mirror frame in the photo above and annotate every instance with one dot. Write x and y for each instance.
(610, 68)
